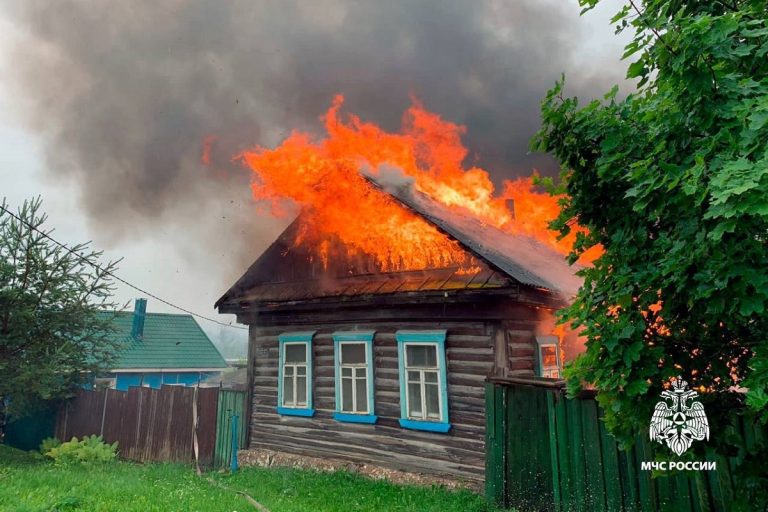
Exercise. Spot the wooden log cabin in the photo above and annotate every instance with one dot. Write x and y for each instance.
(389, 368)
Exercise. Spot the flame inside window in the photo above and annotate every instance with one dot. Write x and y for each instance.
(549, 356)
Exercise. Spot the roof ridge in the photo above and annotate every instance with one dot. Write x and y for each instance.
(185, 315)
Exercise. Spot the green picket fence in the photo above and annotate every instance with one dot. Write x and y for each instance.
(230, 403)
(547, 452)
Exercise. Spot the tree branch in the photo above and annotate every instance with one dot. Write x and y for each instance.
(655, 32)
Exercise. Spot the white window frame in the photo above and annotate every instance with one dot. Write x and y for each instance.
(292, 407)
(364, 338)
(437, 339)
(423, 383)
(355, 368)
(548, 372)
(294, 403)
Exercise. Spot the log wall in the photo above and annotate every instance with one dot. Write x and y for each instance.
(458, 454)
(520, 339)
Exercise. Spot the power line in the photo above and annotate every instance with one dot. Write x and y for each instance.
(114, 276)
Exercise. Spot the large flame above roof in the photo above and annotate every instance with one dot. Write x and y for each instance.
(327, 177)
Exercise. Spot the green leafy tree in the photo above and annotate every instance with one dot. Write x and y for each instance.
(53, 337)
(673, 182)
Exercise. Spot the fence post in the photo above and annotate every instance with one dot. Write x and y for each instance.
(140, 391)
(195, 445)
(496, 488)
(103, 413)
(551, 401)
(233, 466)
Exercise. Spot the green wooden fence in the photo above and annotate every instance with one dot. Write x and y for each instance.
(547, 452)
(230, 403)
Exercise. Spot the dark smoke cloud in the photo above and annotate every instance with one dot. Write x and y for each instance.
(126, 90)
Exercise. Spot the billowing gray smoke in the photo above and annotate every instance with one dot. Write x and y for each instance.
(126, 90)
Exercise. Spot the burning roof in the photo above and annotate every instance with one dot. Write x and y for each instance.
(521, 257)
(388, 212)
(287, 272)
(321, 266)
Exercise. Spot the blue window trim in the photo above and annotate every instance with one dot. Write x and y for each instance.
(295, 337)
(435, 337)
(291, 411)
(429, 426)
(346, 417)
(360, 337)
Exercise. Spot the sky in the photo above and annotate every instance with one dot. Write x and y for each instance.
(104, 107)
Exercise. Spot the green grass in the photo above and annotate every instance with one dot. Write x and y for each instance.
(289, 490)
(30, 483)
(33, 484)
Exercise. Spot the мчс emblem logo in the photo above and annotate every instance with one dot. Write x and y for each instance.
(679, 425)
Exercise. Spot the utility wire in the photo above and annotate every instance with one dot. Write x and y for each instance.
(114, 276)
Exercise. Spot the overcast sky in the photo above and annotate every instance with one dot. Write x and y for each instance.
(103, 106)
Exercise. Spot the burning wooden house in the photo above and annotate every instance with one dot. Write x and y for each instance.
(383, 363)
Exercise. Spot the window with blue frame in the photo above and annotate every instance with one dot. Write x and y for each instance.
(353, 362)
(423, 380)
(294, 388)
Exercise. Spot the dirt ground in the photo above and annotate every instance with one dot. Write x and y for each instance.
(271, 458)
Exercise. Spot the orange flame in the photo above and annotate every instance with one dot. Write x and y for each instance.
(324, 175)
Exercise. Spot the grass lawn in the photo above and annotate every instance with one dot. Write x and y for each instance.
(29, 483)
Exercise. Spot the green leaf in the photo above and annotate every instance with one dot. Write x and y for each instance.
(636, 387)
(757, 120)
(637, 69)
(749, 305)
(735, 178)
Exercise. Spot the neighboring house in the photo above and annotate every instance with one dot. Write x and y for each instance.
(161, 348)
(234, 378)
(389, 368)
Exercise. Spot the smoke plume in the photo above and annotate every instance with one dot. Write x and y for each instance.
(126, 91)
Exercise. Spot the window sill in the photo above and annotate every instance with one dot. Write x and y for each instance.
(429, 426)
(289, 411)
(370, 419)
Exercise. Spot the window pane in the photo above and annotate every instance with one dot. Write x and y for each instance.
(296, 353)
(361, 372)
(433, 401)
(301, 391)
(346, 395)
(346, 372)
(362, 395)
(414, 377)
(549, 356)
(421, 355)
(287, 390)
(353, 353)
(288, 371)
(301, 370)
(414, 400)
(430, 377)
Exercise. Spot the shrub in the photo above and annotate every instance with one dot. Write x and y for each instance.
(89, 449)
(48, 444)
